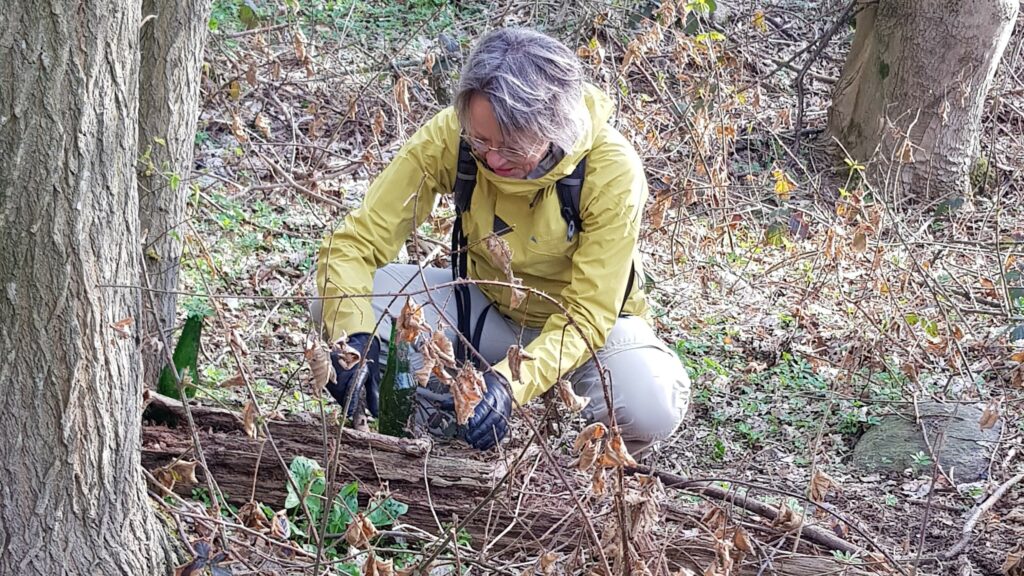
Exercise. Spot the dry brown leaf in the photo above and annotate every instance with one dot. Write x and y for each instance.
(715, 518)
(990, 415)
(379, 121)
(275, 70)
(656, 215)
(428, 62)
(121, 327)
(1014, 564)
(423, 374)
(821, 483)
(233, 382)
(250, 75)
(591, 450)
(401, 94)
(616, 451)
(989, 288)
(595, 431)
(741, 540)
(184, 472)
(410, 322)
(236, 339)
(348, 356)
(597, 482)
(1017, 357)
(262, 124)
(500, 253)
(359, 531)
(299, 41)
(442, 349)
(249, 419)
(279, 526)
(252, 516)
(572, 402)
(787, 520)
(238, 129)
(376, 567)
(467, 390)
(517, 295)
(320, 365)
(907, 152)
(860, 242)
(547, 563)
(165, 477)
(516, 355)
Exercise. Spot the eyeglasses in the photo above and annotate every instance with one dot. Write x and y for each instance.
(481, 148)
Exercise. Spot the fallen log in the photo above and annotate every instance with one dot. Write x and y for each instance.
(439, 484)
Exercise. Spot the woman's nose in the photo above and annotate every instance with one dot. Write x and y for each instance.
(495, 160)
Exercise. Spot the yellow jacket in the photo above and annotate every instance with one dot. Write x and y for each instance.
(588, 275)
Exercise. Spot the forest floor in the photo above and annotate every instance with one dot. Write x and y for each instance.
(805, 303)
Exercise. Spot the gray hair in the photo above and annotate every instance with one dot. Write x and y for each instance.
(534, 84)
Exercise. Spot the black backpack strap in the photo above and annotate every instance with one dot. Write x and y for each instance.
(462, 192)
(569, 190)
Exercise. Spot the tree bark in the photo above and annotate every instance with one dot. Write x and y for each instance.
(172, 41)
(912, 91)
(72, 495)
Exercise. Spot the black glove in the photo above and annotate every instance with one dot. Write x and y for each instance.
(435, 413)
(489, 423)
(365, 374)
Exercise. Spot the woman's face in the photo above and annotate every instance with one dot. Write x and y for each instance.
(487, 142)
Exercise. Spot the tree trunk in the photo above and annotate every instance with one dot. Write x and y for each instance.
(172, 41)
(72, 495)
(912, 90)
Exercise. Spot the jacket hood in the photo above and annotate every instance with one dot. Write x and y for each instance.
(599, 109)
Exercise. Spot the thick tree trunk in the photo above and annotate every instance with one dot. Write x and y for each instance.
(172, 42)
(72, 495)
(912, 90)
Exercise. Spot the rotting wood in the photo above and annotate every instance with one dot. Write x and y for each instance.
(458, 480)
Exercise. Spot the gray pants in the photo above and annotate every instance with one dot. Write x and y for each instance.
(650, 387)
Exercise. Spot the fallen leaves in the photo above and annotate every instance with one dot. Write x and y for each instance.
(176, 472)
(599, 451)
(990, 415)
(249, 419)
(595, 431)
(122, 327)
(516, 355)
(820, 485)
(1014, 564)
(616, 453)
(501, 257)
(787, 520)
(783, 185)
(401, 94)
(572, 402)
(262, 124)
(320, 364)
(376, 567)
(360, 530)
(468, 390)
(410, 322)
(252, 516)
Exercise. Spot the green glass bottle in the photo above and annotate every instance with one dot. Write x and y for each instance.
(397, 388)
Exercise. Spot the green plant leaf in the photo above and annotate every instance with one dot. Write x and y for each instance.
(346, 502)
(308, 477)
(387, 512)
(186, 356)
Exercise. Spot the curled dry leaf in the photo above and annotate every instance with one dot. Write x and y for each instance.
(500, 253)
(249, 419)
(234, 382)
(467, 391)
(428, 62)
(547, 563)
(516, 355)
(597, 483)
(787, 520)
(741, 540)
(123, 327)
(616, 451)
(165, 477)
(517, 295)
(595, 431)
(715, 518)
(821, 483)
(184, 472)
(320, 365)
(299, 40)
(252, 516)
(237, 129)
(359, 531)
(262, 124)
(379, 121)
(401, 94)
(410, 322)
(588, 456)
(348, 356)
(573, 402)
(991, 414)
(376, 567)
(1014, 564)
(442, 349)
(239, 343)
(438, 357)
(279, 526)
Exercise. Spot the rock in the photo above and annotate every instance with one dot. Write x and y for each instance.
(890, 446)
